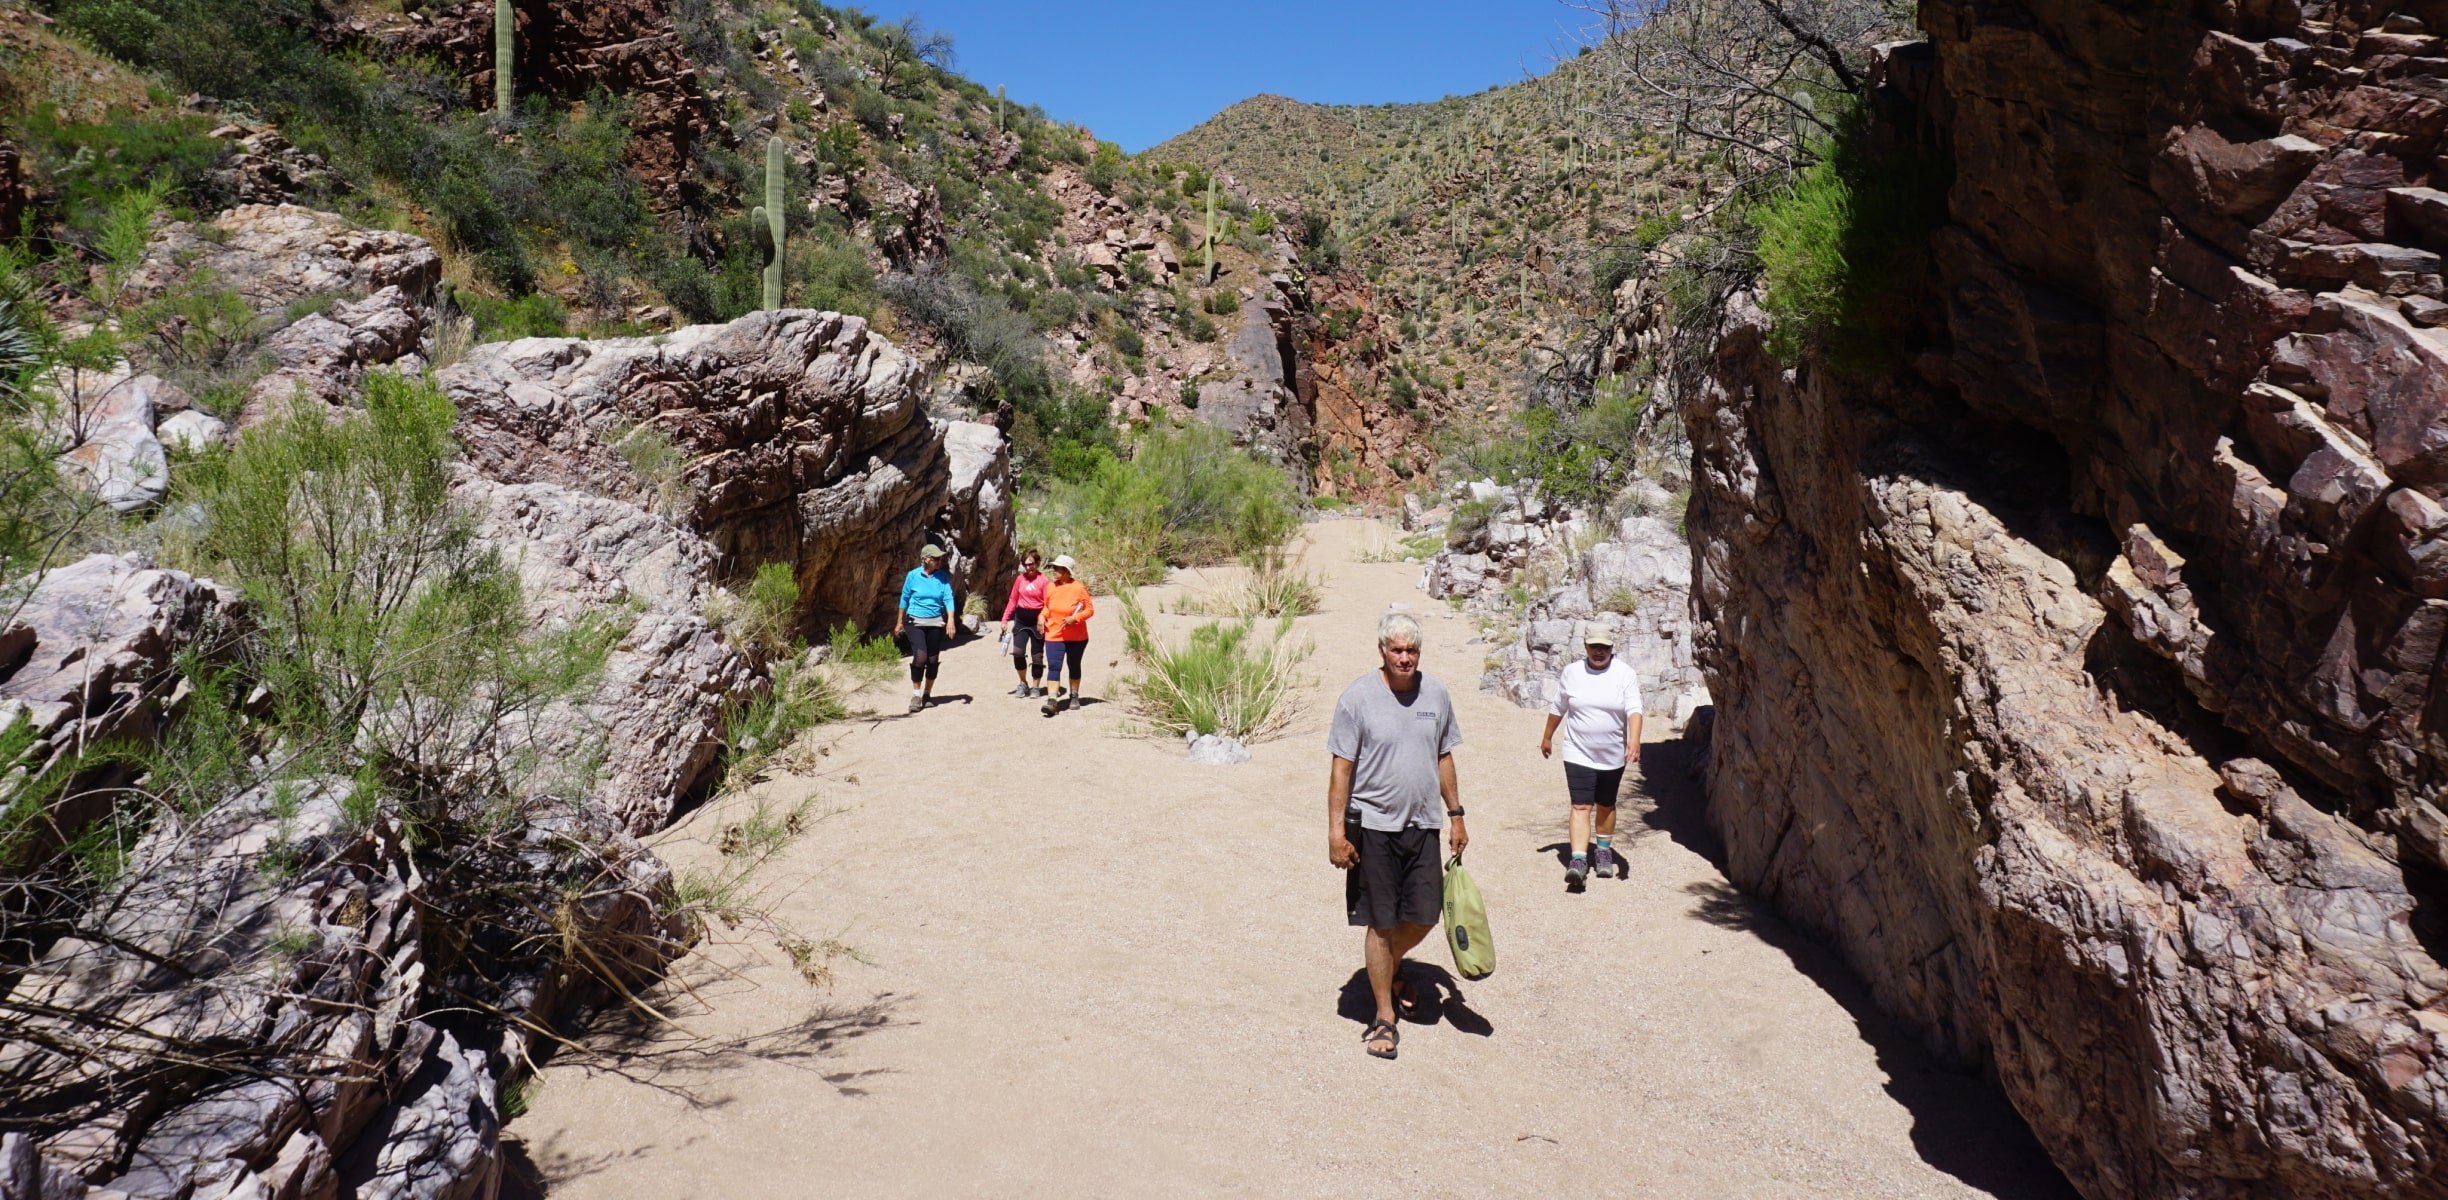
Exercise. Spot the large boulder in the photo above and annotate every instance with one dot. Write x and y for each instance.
(652, 730)
(274, 256)
(2083, 684)
(243, 986)
(977, 516)
(90, 660)
(800, 439)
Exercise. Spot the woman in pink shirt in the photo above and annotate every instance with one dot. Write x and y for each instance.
(1027, 642)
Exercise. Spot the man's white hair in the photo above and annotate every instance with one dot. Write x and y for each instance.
(1398, 627)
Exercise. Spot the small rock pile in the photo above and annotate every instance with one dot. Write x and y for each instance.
(1633, 577)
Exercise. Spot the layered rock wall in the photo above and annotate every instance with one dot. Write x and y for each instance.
(2081, 681)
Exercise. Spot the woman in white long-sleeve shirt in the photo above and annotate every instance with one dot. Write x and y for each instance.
(1598, 703)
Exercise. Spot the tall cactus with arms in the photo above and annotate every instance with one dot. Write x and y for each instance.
(505, 55)
(1214, 231)
(770, 216)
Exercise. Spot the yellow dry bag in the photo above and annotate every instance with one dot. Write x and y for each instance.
(1466, 924)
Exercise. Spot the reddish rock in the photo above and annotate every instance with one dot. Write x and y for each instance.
(2084, 685)
(569, 48)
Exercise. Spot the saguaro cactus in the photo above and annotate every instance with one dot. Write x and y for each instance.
(998, 108)
(1214, 230)
(505, 55)
(770, 215)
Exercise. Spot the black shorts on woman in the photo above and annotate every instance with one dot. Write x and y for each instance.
(1591, 786)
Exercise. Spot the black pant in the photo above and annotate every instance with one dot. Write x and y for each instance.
(1028, 642)
(926, 646)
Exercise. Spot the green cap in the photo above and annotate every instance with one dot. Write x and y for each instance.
(932, 551)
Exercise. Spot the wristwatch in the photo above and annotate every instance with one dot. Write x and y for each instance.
(1453, 812)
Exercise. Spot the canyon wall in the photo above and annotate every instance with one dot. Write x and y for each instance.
(2080, 679)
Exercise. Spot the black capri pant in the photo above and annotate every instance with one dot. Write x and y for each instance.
(1028, 642)
(1589, 785)
(926, 646)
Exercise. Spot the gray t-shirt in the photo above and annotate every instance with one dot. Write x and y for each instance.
(1393, 741)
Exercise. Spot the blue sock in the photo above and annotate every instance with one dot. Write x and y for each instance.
(1606, 842)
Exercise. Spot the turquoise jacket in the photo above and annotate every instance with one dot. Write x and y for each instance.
(925, 597)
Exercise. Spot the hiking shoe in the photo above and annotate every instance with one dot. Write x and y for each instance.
(1574, 872)
(1051, 706)
(917, 702)
(1020, 689)
(1037, 692)
(1603, 864)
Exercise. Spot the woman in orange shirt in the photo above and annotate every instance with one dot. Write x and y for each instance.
(1065, 623)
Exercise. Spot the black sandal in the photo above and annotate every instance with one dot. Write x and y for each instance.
(1393, 1038)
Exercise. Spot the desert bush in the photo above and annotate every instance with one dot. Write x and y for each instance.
(376, 611)
(504, 320)
(1270, 585)
(1179, 496)
(1842, 247)
(84, 164)
(1225, 678)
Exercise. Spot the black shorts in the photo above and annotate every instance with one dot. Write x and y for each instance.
(1400, 879)
(1589, 785)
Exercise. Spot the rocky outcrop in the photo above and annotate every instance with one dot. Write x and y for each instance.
(274, 256)
(248, 1012)
(568, 49)
(1367, 444)
(2080, 683)
(651, 733)
(90, 660)
(1637, 584)
(1256, 401)
(800, 439)
(298, 981)
(977, 513)
(1633, 577)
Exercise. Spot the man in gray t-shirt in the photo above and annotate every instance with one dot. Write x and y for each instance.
(1391, 789)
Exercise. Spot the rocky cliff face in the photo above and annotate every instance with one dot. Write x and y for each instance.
(569, 48)
(2082, 684)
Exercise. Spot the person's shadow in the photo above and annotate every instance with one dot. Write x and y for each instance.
(1437, 993)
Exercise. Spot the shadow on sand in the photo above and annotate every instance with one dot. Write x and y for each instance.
(1962, 1122)
(663, 1056)
(1439, 999)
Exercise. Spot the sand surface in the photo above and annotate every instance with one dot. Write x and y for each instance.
(1088, 967)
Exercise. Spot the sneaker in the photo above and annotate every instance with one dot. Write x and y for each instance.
(1020, 689)
(917, 702)
(1575, 872)
(1603, 863)
(1038, 692)
(1051, 706)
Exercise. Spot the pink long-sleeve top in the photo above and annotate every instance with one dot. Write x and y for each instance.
(1028, 591)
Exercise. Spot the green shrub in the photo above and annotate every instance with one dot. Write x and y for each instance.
(1842, 249)
(87, 163)
(388, 642)
(760, 729)
(1182, 496)
(1223, 303)
(1104, 167)
(1223, 679)
(850, 648)
(497, 320)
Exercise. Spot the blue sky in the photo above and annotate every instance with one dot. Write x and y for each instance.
(1139, 73)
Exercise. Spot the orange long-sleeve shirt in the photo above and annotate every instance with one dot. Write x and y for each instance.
(1067, 609)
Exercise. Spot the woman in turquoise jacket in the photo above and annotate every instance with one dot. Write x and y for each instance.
(924, 622)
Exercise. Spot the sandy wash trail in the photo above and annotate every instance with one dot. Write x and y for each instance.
(1092, 968)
